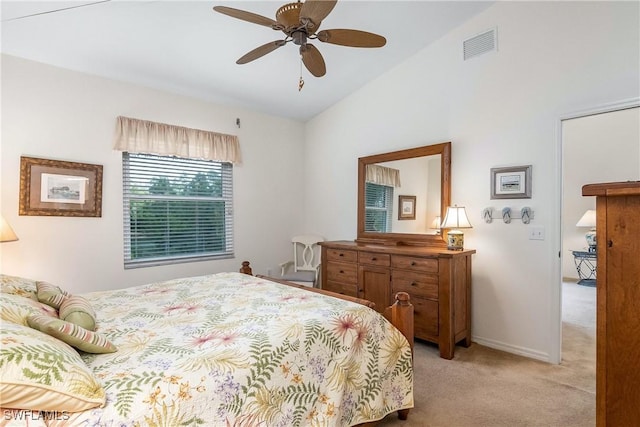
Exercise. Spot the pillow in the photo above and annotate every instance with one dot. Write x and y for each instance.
(50, 294)
(78, 310)
(16, 309)
(41, 373)
(18, 286)
(74, 335)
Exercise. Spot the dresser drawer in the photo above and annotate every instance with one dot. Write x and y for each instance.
(342, 288)
(425, 321)
(429, 265)
(414, 283)
(341, 256)
(374, 258)
(342, 272)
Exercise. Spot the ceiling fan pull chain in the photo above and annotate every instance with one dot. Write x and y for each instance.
(301, 81)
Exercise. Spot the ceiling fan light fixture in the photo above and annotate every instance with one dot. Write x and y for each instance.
(289, 15)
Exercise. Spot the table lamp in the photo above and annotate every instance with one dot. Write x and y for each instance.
(6, 232)
(435, 225)
(455, 219)
(589, 220)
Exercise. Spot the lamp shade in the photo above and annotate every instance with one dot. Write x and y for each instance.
(588, 219)
(456, 217)
(436, 223)
(6, 232)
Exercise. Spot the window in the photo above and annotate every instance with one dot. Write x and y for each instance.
(378, 208)
(176, 210)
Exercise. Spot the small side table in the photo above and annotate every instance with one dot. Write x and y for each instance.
(585, 262)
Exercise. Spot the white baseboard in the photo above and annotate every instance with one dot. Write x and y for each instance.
(521, 351)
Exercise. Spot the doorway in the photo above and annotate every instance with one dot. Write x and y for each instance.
(601, 145)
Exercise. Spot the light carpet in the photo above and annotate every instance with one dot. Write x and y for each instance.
(486, 387)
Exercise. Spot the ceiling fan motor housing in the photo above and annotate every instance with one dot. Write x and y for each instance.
(289, 15)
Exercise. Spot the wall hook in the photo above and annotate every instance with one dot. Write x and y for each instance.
(506, 215)
(525, 214)
(486, 215)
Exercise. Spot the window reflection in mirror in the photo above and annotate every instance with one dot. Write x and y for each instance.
(419, 177)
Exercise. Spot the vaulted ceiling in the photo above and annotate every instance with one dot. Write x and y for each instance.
(185, 47)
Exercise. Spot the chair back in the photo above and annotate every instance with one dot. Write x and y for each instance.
(306, 252)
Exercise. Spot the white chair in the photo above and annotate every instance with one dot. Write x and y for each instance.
(305, 266)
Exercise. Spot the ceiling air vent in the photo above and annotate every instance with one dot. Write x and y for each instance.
(479, 44)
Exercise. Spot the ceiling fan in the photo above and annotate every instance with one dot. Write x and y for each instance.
(300, 23)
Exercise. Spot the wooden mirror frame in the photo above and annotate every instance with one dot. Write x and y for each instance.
(416, 239)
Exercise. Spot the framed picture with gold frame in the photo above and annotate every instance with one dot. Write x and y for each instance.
(406, 207)
(59, 188)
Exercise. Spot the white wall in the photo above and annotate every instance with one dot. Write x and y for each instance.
(499, 109)
(58, 114)
(597, 148)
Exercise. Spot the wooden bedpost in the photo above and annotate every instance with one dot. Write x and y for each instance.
(246, 269)
(400, 314)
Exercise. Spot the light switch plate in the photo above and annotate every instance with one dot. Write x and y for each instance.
(536, 233)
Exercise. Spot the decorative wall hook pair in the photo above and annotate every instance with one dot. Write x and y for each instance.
(525, 214)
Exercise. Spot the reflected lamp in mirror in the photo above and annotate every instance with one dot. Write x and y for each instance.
(454, 220)
(589, 220)
(435, 225)
(6, 232)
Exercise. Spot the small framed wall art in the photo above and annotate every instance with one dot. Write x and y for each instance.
(406, 207)
(511, 182)
(60, 188)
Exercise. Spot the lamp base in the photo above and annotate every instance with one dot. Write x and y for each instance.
(455, 240)
(591, 239)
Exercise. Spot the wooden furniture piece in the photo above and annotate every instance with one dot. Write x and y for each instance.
(437, 280)
(618, 302)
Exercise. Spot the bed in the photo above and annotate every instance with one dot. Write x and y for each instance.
(226, 349)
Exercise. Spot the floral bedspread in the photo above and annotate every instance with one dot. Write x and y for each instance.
(234, 350)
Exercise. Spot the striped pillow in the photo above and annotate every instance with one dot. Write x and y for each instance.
(50, 294)
(73, 335)
(78, 310)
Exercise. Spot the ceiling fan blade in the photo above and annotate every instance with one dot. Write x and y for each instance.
(352, 38)
(247, 16)
(316, 10)
(313, 60)
(260, 51)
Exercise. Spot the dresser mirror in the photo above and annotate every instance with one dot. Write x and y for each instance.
(401, 194)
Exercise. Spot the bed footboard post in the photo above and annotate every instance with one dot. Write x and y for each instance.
(400, 314)
(246, 269)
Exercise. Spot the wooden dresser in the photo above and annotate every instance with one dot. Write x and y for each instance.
(438, 281)
(618, 302)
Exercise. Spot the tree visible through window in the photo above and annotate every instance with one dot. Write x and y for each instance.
(176, 209)
(378, 208)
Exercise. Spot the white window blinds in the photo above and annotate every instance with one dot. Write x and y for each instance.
(176, 210)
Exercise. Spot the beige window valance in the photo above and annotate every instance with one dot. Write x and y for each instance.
(382, 175)
(143, 136)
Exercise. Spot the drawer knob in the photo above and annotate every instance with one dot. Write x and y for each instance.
(414, 284)
(374, 259)
(413, 263)
(341, 271)
(341, 254)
